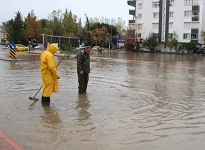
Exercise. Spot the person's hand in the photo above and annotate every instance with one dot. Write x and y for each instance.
(58, 77)
(81, 72)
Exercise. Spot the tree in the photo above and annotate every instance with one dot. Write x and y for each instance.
(81, 32)
(99, 36)
(151, 42)
(173, 42)
(33, 26)
(69, 22)
(111, 29)
(55, 22)
(190, 46)
(45, 27)
(14, 29)
(203, 36)
(120, 25)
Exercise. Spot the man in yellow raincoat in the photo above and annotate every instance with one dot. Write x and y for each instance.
(49, 74)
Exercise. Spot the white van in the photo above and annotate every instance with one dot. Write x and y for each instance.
(80, 47)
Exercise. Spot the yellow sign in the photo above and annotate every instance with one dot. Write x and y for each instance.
(12, 53)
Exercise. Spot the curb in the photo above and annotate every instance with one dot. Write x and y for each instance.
(39, 52)
(6, 143)
(10, 59)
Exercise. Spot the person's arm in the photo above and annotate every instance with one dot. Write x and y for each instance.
(52, 66)
(79, 63)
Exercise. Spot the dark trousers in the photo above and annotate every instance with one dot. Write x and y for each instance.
(45, 101)
(83, 82)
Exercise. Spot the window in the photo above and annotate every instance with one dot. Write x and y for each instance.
(195, 2)
(155, 4)
(156, 15)
(195, 14)
(171, 3)
(171, 14)
(187, 36)
(155, 34)
(139, 35)
(194, 36)
(187, 13)
(139, 26)
(170, 36)
(155, 25)
(171, 25)
(191, 25)
(139, 16)
(140, 6)
(187, 2)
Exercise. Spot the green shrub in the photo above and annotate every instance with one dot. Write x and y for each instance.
(67, 47)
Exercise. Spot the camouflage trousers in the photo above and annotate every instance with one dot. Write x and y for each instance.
(82, 82)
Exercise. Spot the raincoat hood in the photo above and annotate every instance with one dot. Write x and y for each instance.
(53, 48)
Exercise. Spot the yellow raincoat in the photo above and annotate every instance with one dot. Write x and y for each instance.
(49, 71)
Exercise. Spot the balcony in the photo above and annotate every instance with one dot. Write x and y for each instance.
(194, 31)
(131, 33)
(131, 21)
(131, 3)
(194, 35)
(195, 8)
(132, 12)
(195, 17)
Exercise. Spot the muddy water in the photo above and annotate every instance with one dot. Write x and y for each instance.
(134, 101)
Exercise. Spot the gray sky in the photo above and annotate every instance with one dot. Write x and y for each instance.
(110, 9)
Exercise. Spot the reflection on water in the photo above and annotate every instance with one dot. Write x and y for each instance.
(50, 117)
(82, 107)
(13, 65)
(134, 101)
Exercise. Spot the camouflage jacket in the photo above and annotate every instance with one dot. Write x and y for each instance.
(83, 62)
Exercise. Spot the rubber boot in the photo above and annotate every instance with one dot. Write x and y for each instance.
(45, 101)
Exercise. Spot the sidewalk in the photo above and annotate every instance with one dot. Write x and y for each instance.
(39, 52)
(8, 144)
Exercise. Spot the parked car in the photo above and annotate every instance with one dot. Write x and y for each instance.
(98, 48)
(40, 47)
(20, 47)
(80, 47)
(199, 50)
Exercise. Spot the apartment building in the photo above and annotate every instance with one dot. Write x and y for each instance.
(2, 35)
(166, 18)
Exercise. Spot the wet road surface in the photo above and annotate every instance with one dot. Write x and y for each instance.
(134, 101)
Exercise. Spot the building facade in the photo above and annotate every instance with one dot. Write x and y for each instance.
(167, 18)
(3, 35)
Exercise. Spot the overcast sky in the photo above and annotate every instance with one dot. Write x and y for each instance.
(110, 9)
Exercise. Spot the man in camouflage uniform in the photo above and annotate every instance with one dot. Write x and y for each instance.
(83, 69)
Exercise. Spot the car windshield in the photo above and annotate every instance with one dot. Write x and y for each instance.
(19, 45)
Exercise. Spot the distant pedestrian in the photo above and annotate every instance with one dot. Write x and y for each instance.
(83, 69)
(49, 74)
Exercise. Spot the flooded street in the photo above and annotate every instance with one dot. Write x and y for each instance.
(134, 101)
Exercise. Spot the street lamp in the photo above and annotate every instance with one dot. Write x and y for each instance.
(88, 34)
(87, 21)
(108, 42)
(111, 29)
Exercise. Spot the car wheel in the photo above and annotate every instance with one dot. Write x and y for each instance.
(26, 49)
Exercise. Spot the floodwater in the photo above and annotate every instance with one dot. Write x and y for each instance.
(134, 101)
